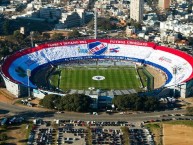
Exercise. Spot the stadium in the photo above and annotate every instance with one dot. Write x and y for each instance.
(20, 69)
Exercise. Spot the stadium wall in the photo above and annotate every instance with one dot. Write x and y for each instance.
(16, 89)
(164, 58)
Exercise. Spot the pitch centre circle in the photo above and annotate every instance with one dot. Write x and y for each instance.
(98, 78)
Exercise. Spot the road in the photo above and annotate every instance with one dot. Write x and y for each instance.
(29, 113)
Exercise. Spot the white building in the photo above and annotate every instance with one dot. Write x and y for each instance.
(136, 10)
(174, 25)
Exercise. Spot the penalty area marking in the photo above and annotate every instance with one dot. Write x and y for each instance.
(98, 78)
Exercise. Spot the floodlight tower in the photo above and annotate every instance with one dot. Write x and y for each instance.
(174, 72)
(31, 35)
(28, 75)
(95, 23)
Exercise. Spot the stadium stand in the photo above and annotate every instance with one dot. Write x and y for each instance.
(166, 59)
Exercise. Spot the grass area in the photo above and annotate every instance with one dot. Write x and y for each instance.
(181, 122)
(142, 76)
(156, 129)
(17, 133)
(150, 79)
(30, 125)
(81, 78)
(125, 131)
(89, 136)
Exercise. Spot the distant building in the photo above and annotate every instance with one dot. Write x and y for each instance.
(22, 30)
(130, 30)
(164, 4)
(69, 20)
(50, 13)
(77, 18)
(136, 10)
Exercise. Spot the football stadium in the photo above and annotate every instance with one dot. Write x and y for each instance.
(89, 64)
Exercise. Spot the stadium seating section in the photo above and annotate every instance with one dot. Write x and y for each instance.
(177, 65)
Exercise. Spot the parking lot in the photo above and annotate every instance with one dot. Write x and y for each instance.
(86, 132)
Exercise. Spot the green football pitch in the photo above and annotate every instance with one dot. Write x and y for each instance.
(81, 78)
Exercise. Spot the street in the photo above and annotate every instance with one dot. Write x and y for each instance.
(29, 113)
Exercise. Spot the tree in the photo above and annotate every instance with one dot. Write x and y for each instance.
(46, 36)
(190, 8)
(37, 36)
(3, 137)
(103, 24)
(57, 36)
(75, 33)
(50, 101)
(75, 102)
(5, 51)
(16, 39)
(137, 25)
(151, 103)
(6, 27)
(70, 102)
(135, 102)
(190, 40)
(18, 36)
(122, 102)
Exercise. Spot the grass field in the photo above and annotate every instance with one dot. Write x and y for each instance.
(81, 78)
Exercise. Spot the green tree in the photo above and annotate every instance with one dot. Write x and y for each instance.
(3, 137)
(190, 40)
(6, 27)
(103, 24)
(4, 51)
(37, 36)
(75, 33)
(57, 36)
(18, 36)
(75, 102)
(151, 103)
(50, 101)
(134, 102)
(16, 39)
(137, 25)
(190, 8)
(122, 102)
(46, 36)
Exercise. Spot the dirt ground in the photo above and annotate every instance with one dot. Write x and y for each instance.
(6, 96)
(5, 99)
(177, 135)
(17, 135)
(159, 78)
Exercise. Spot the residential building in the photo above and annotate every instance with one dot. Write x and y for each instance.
(130, 30)
(50, 13)
(69, 20)
(164, 4)
(136, 10)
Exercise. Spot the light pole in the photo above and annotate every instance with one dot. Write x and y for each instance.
(95, 23)
(28, 75)
(174, 72)
(31, 35)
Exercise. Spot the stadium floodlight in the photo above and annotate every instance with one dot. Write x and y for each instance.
(28, 75)
(95, 23)
(174, 72)
(31, 35)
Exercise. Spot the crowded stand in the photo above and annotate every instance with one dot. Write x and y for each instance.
(166, 59)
